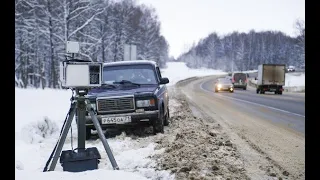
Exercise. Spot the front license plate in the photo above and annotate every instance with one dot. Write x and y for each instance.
(272, 89)
(116, 120)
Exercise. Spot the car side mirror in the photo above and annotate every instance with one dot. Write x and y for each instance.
(164, 80)
(255, 78)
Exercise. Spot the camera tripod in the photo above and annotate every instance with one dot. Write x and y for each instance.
(80, 105)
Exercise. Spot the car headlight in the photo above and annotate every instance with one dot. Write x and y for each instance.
(145, 103)
(219, 85)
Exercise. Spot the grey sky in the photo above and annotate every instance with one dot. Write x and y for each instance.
(186, 21)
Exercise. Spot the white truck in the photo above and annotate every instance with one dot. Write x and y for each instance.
(271, 78)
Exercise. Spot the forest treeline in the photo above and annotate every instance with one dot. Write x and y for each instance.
(42, 28)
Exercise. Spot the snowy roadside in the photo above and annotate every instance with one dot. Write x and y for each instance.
(196, 148)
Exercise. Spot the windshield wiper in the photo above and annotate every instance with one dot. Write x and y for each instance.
(106, 85)
(126, 82)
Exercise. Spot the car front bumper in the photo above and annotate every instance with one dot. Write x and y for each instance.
(137, 118)
(238, 85)
(225, 89)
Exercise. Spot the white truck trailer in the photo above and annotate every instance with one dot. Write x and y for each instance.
(271, 78)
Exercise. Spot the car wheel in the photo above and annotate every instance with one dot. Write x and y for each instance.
(216, 90)
(257, 91)
(166, 120)
(88, 133)
(245, 88)
(231, 91)
(280, 92)
(158, 126)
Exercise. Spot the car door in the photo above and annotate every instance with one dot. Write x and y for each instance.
(163, 93)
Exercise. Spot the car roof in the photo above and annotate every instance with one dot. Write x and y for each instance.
(135, 62)
(239, 73)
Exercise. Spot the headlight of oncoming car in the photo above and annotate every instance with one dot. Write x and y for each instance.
(145, 103)
(219, 85)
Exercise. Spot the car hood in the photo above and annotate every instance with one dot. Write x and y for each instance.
(121, 91)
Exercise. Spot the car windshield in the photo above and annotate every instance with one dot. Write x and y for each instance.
(137, 74)
(238, 76)
(224, 81)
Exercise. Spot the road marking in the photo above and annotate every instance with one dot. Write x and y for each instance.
(269, 107)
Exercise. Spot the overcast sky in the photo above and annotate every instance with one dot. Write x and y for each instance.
(186, 21)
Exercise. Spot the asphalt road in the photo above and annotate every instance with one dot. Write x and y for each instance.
(289, 108)
(273, 125)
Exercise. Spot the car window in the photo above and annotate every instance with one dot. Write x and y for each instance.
(159, 73)
(239, 76)
(141, 74)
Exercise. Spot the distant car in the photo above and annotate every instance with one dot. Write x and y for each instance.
(291, 69)
(240, 80)
(223, 84)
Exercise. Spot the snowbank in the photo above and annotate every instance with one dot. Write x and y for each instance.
(295, 79)
(177, 71)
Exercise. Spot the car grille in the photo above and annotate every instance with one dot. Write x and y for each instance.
(115, 104)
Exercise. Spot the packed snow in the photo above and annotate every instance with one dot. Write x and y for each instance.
(39, 118)
(177, 71)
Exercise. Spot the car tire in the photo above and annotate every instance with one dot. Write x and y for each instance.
(245, 88)
(216, 90)
(257, 91)
(88, 133)
(280, 92)
(166, 119)
(231, 91)
(158, 125)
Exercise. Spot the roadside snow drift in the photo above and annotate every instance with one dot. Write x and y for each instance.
(295, 79)
(177, 71)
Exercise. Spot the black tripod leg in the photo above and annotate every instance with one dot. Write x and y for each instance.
(63, 137)
(102, 137)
